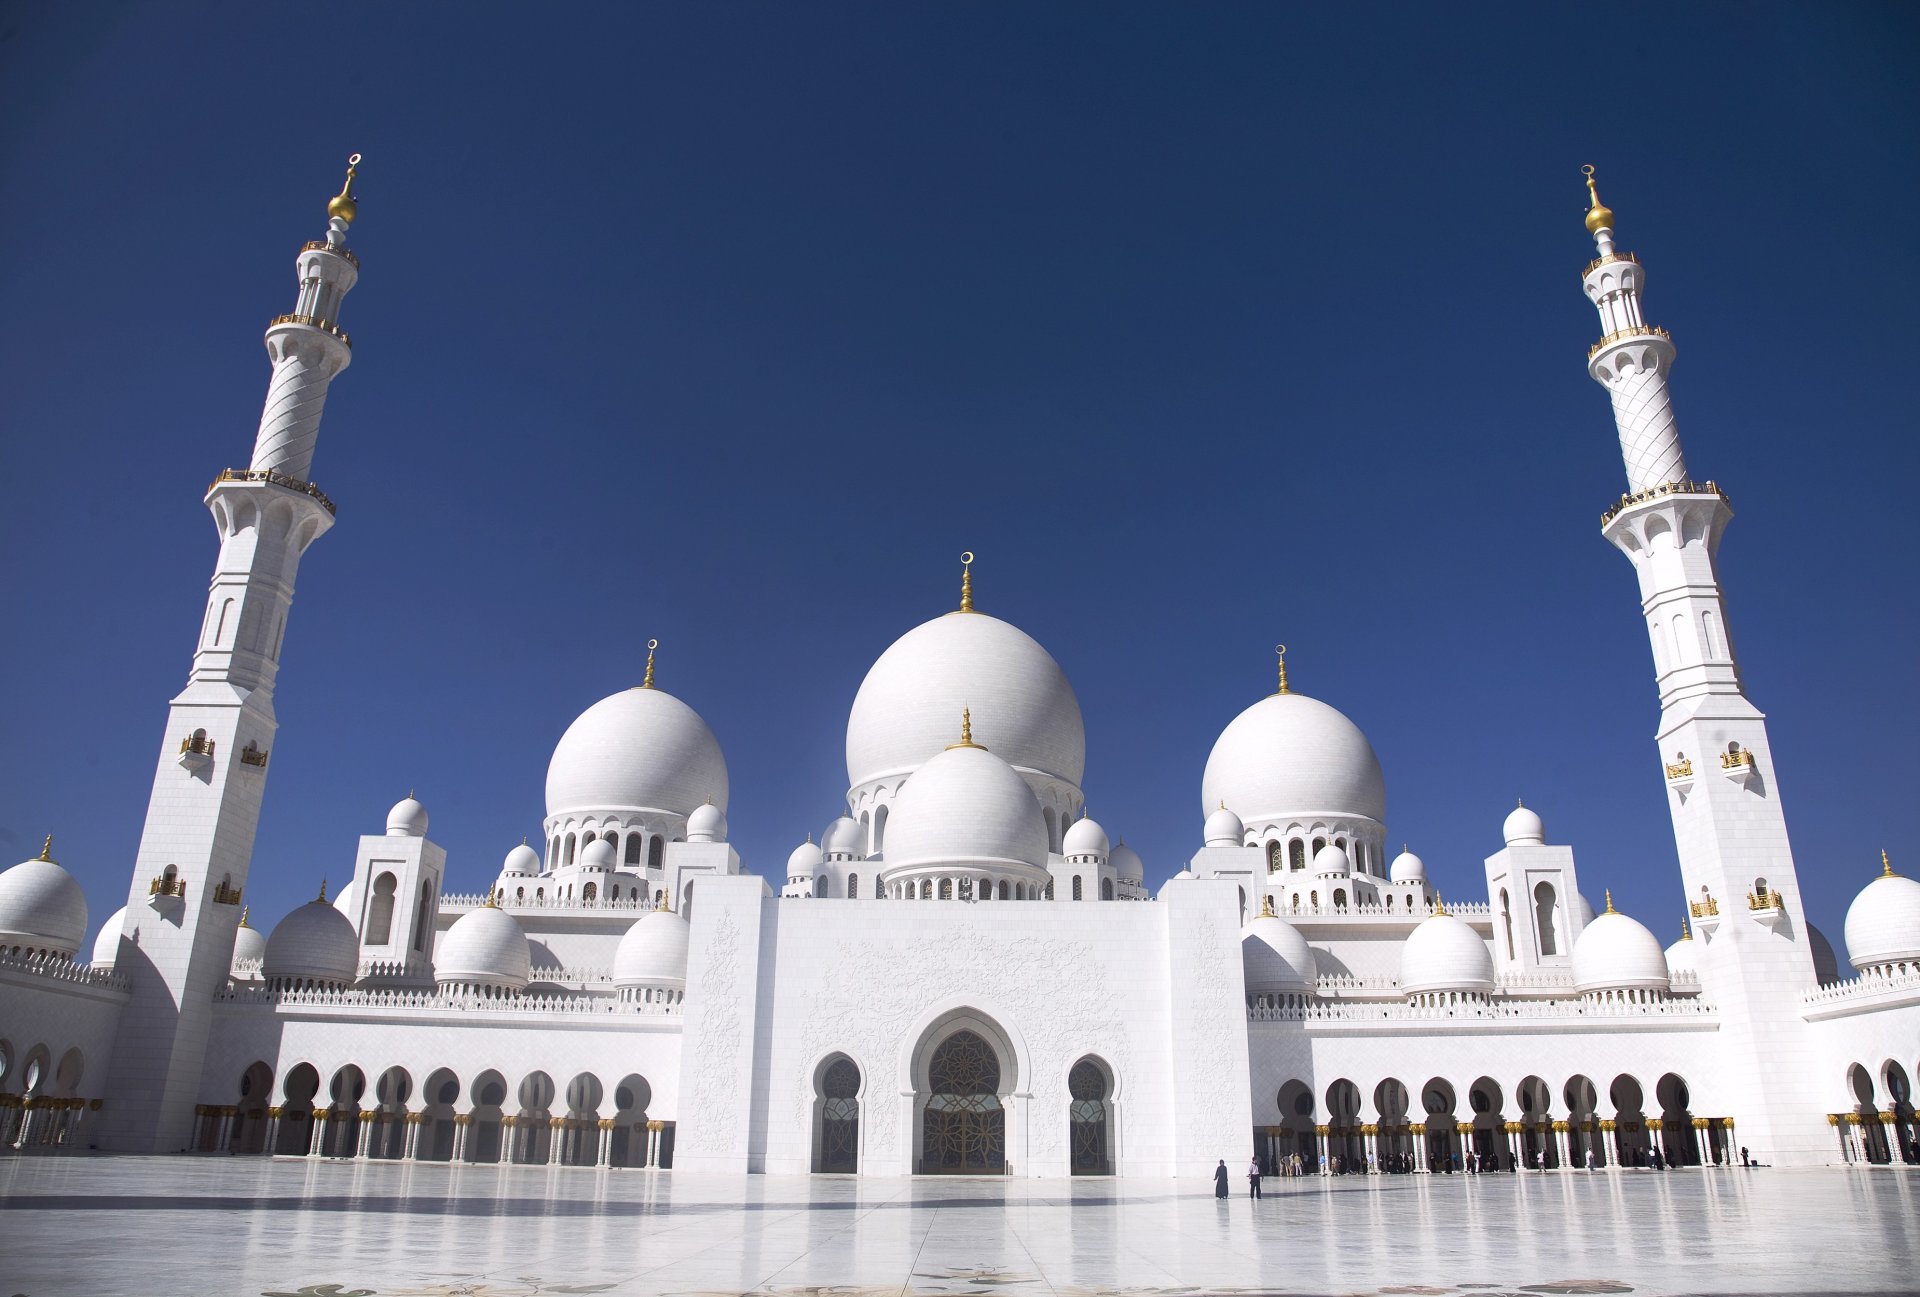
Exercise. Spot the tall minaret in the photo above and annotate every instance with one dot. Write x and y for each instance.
(191, 872)
(1735, 859)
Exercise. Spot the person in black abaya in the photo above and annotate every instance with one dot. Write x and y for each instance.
(1220, 1179)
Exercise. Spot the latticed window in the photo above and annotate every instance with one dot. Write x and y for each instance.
(1087, 1118)
(840, 1117)
(853, 887)
(965, 1126)
(1297, 854)
(946, 889)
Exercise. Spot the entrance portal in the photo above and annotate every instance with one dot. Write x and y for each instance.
(965, 1131)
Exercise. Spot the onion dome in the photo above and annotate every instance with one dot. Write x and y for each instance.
(599, 856)
(1126, 863)
(407, 819)
(1290, 756)
(249, 952)
(41, 906)
(1444, 954)
(1331, 861)
(1883, 923)
(1616, 953)
(844, 837)
(638, 750)
(485, 947)
(708, 823)
(966, 806)
(313, 943)
(903, 715)
(1524, 828)
(1223, 828)
(1085, 837)
(1407, 868)
(1679, 955)
(1826, 968)
(522, 862)
(106, 946)
(804, 860)
(653, 953)
(1276, 957)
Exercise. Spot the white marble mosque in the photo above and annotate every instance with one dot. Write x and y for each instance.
(625, 994)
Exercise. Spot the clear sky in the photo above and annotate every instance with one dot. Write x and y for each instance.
(1207, 326)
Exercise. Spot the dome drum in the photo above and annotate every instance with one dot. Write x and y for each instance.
(1290, 845)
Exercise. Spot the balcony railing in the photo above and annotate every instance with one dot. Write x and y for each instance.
(1655, 492)
(253, 756)
(198, 745)
(1766, 899)
(1704, 909)
(1631, 331)
(313, 322)
(277, 479)
(1592, 266)
(1735, 760)
(167, 886)
(1681, 769)
(321, 245)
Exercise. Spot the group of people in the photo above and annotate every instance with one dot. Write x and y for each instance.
(1472, 1162)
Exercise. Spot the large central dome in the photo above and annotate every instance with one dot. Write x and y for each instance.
(1290, 756)
(638, 750)
(1023, 708)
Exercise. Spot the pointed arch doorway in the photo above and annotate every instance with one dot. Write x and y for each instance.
(963, 1123)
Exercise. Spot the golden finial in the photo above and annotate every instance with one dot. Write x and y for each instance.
(1439, 906)
(1599, 215)
(323, 891)
(46, 849)
(647, 682)
(1281, 649)
(245, 910)
(1266, 907)
(1686, 930)
(490, 904)
(1610, 909)
(1886, 865)
(966, 731)
(663, 907)
(966, 582)
(344, 205)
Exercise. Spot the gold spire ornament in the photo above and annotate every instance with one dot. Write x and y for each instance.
(1281, 649)
(1610, 909)
(1686, 930)
(1886, 865)
(1266, 907)
(966, 582)
(1439, 906)
(344, 206)
(245, 910)
(323, 891)
(647, 681)
(1599, 215)
(46, 849)
(966, 731)
(490, 904)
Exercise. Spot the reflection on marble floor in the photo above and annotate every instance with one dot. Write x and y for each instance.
(157, 1227)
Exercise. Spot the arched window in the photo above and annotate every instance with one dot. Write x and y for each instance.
(519, 893)
(1076, 887)
(946, 889)
(1544, 906)
(1313, 898)
(423, 917)
(1506, 922)
(926, 889)
(589, 892)
(1339, 898)
(656, 852)
(840, 1118)
(1318, 843)
(879, 830)
(853, 887)
(1005, 891)
(1053, 837)
(1087, 1119)
(1275, 857)
(966, 889)
(636, 843)
(567, 855)
(820, 885)
(380, 911)
(1106, 889)
(1297, 854)
(553, 854)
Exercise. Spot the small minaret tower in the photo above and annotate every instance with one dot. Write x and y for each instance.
(190, 876)
(1736, 862)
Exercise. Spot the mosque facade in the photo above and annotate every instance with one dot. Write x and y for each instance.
(965, 974)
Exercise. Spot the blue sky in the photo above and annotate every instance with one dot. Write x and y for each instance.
(1207, 326)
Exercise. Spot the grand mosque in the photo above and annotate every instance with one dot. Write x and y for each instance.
(961, 973)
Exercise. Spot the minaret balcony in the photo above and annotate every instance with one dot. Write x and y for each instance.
(253, 755)
(1680, 775)
(1631, 499)
(275, 479)
(321, 245)
(1631, 331)
(1737, 764)
(328, 327)
(1592, 266)
(1705, 912)
(1767, 906)
(196, 751)
(169, 884)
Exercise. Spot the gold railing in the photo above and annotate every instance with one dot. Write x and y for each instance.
(1766, 900)
(196, 744)
(1704, 909)
(1631, 331)
(277, 479)
(225, 895)
(253, 756)
(1734, 760)
(321, 245)
(1592, 266)
(1682, 769)
(312, 321)
(1655, 492)
(164, 886)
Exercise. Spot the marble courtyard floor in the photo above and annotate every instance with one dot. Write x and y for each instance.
(156, 1227)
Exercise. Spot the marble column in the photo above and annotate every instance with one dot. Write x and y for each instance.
(461, 1123)
(229, 1119)
(273, 1131)
(1419, 1148)
(557, 1141)
(369, 1122)
(410, 1149)
(604, 1154)
(317, 1134)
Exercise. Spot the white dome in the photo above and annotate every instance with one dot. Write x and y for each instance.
(1126, 863)
(639, 750)
(1291, 756)
(1407, 868)
(1617, 953)
(106, 946)
(804, 859)
(42, 907)
(1444, 954)
(1223, 829)
(1023, 707)
(653, 953)
(1883, 923)
(523, 860)
(315, 942)
(249, 951)
(966, 806)
(1679, 957)
(485, 947)
(599, 855)
(708, 823)
(1331, 860)
(1524, 828)
(407, 819)
(1085, 837)
(844, 837)
(1276, 956)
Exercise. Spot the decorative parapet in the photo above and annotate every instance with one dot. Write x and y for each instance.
(276, 479)
(1299, 1008)
(441, 1001)
(1631, 331)
(1373, 910)
(61, 970)
(478, 900)
(312, 322)
(1358, 987)
(321, 245)
(1879, 987)
(1655, 492)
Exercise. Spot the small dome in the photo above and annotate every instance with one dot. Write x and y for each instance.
(1290, 756)
(966, 806)
(522, 861)
(653, 953)
(1126, 864)
(1276, 957)
(315, 942)
(1331, 860)
(1085, 837)
(638, 750)
(1617, 953)
(708, 823)
(1883, 923)
(106, 946)
(1223, 829)
(1826, 968)
(1524, 829)
(599, 855)
(485, 947)
(844, 837)
(804, 859)
(1407, 868)
(407, 819)
(1444, 954)
(249, 952)
(42, 907)
(1679, 956)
